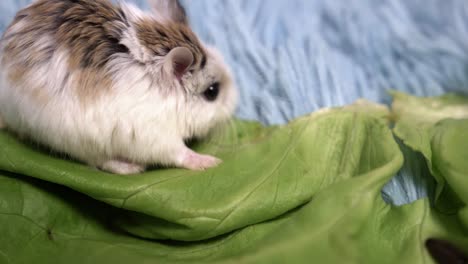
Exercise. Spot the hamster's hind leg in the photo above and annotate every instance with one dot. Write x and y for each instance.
(121, 167)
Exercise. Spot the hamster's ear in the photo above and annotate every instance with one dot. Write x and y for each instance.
(178, 61)
(170, 10)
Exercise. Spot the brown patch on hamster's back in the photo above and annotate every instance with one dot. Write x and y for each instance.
(91, 31)
(87, 30)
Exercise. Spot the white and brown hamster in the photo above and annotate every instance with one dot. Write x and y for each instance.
(111, 85)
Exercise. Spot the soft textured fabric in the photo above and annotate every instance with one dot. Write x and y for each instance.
(291, 57)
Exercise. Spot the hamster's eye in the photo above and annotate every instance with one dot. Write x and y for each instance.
(212, 92)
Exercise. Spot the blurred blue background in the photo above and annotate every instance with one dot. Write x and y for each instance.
(291, 57)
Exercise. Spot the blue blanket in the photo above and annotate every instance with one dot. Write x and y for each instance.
(291, 57)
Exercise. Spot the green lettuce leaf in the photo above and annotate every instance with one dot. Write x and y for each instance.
(418, 120)
(449, 146)
(438, 128)
(266, 172)
(309, 191)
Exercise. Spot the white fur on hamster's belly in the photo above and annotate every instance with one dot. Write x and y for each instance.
(114, 125)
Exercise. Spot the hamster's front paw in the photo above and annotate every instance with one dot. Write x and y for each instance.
(122, 167)
(194, 161)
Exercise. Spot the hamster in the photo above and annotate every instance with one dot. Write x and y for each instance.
(111, 85)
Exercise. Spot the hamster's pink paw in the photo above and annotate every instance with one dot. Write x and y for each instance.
(122, 167)
(194, 161)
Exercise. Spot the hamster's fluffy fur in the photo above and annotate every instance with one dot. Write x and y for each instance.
(109, 85)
